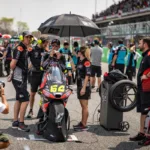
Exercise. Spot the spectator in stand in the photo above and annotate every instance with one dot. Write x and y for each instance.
(124, 6)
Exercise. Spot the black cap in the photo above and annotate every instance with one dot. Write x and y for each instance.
(27, 33)
(55, 41)
(44, 39)
(120, 41)
(66, 43)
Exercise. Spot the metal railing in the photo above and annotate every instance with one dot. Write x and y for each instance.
(131, 29)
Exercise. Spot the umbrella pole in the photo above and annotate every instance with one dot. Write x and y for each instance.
(69, 39)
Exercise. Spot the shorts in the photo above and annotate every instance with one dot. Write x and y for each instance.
(22, 94)
(96, 70)
(35, 80)
(87, 94)
(120, 67)
(143, 101)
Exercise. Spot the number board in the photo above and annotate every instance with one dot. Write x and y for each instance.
(57, 88)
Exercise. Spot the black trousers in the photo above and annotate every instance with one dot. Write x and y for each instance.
(7, 66)
(1, 69)
(130, 72)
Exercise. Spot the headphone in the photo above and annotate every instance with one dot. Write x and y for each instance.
(42, 40)
(39, 41)
(21, 37)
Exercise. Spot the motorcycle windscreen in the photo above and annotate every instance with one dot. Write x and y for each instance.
(55, 74)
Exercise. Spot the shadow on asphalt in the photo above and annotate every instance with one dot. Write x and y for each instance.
(21, 134)
(126, 146)
(17, 133)
(7, 119)
(100, 131)
(11, 99)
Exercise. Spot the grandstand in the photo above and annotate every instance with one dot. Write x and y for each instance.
(128, 19)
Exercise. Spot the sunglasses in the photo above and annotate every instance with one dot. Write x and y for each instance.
(54, 45)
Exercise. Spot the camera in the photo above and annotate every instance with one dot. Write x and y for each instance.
(2, 84)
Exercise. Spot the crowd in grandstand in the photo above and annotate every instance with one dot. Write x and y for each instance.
(124, 6)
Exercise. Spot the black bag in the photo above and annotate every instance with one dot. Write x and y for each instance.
(56, 128)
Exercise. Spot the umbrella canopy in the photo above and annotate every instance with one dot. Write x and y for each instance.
(67, 25)
(6, 36)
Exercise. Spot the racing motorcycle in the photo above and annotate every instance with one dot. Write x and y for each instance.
(54, 119)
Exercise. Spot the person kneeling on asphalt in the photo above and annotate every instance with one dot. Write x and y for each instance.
(143, 97)
(83, 87)
(4, 109)
(36, 74)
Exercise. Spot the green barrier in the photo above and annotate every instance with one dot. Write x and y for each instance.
(106, 53)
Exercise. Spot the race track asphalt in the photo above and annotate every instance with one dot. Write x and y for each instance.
(96, 138)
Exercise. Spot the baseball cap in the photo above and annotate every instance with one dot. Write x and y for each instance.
(66, 43)
(55, 41)
(44, 39)
(27, 33)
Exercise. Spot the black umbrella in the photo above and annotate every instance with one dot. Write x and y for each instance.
(67, 25)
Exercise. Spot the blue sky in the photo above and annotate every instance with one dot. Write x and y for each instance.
(34, 12)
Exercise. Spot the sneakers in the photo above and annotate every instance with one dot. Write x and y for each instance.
(23, 127)
(80, 127)
(30, 115)
(20, 126)
(138, 137)
(15, 124)
(145, 141)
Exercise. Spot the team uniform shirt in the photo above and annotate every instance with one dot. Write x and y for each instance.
(47, 61)
(35, 57)
(111, 55)
(130, 60)
(66, 53)
(75, 59)
(121, 52)
(20, 54)
(83, 70)
(145, 64)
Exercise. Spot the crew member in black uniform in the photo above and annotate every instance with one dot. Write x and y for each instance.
(83, 87)
(143, 96)
(19, 65)
(35, 73)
